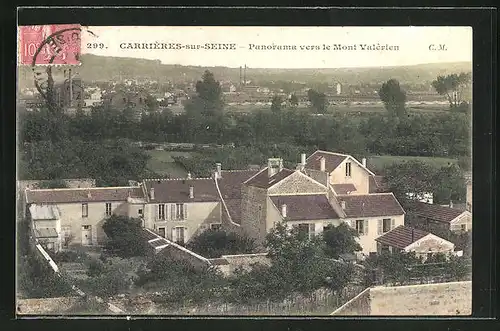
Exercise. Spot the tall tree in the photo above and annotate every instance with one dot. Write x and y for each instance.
(393, 97)
(276, 104)
(318, 101)
(340, 239)
(294, 101)
(124, 235)
(210, 94)
(453, 87)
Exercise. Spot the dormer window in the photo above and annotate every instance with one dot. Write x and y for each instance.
(348, 169)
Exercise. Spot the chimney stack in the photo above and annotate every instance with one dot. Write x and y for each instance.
(189, 175)
(152, 193)
(322, 164)
(89, 195)
(303, 159)
(218, 172)
(191, 192)
(343, 205)
(281, 165)
(451, 204)
(412, 235)
(363, 161)
(274, 166)
(283, 210)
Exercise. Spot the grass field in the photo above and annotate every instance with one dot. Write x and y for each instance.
(380, 162)
(162, 163)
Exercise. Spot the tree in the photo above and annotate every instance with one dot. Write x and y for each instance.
(210, 94)
(215, 243)
(276, 103)
(393, 97)
(340, 239)
(294, 101)
(125, 236)
(318, 101)
(55, 183)
(453, 87)
(449, 185)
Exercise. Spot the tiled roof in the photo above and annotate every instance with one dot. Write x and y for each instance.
(46, 233)
(332, 160)
(93, 194)
(377, 184)
(371, 205)
(262, 180)
(177, 190)
(219, 261)
(230, 183)
(158, 242)
(305, 207)
(343, 188)
(401, 236)
(234, 208)
(434, 212)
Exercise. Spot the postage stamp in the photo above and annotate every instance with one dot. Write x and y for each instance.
(49, 44)
(245, 170)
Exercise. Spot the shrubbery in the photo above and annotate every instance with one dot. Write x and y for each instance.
(214, 243)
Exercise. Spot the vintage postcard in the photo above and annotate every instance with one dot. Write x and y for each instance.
(203, 170)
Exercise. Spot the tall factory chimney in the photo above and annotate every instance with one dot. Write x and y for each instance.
(240, 75)
(245, 75)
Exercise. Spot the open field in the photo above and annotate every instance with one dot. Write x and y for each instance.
(379, 162)
(162, 163)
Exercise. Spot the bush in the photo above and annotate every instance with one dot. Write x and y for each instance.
(95, 268)
(215, 243)
(70, 256)
(125, 236)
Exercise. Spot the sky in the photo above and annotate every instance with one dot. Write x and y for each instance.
(413, 43)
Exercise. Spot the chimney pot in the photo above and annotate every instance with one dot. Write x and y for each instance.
(189, 175)
(152, 193)
(451, 204)
(218, 173)
(303, 159)
(284, 210)
(191, 192)
(343, 204)
(322, 164)
(363, 161)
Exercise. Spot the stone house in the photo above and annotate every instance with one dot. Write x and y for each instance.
(434, 217)
(76, 215)
(408, 239)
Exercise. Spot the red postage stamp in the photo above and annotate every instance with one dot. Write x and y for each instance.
(49, 44)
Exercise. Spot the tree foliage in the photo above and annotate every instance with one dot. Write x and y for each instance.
(125, 236)
(318, 101)
(215, 243)
(209, 94)
(453, 87)
(294, 101)
(340, 239)
(276, 103)
(393, 97)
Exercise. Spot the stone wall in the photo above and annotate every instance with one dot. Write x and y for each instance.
(45, 306)
(253, 213)
(297, 183)
(445, 299)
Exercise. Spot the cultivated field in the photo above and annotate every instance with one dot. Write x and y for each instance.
(162, 162)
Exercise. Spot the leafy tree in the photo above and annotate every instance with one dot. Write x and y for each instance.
(210, 94)
(452, 86)
(449, 185)
(125, 236)
(215, 243)
(318, 101)
(95, 268)
(294, 101)
(393, 97)
(276, 103)
(340, 239)
(55, 183)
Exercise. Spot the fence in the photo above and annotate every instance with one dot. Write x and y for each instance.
(322, 302)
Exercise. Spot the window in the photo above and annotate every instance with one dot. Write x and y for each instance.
(386, 225)
(463, 227)
(139, 212)
(348, 169)
(161, 212)
(179, 235)
(307, 229)
(86, 227)
(108, 209)
(179, 211)
(361, 227)
(215, 226)
(85, 210)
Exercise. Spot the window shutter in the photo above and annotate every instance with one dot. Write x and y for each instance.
(365, 225)
(172, 212)
(165, 208)
(157, 213)
(186, 235)
(174, 235)
(185, 211)
(393, 223)
(380, 228)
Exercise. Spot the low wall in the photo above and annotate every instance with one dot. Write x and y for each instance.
(45, 306)
(444, 299)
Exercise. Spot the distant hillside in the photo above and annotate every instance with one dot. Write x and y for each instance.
(101, 68)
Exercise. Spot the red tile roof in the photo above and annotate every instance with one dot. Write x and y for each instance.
(343, 188)
(262, 180)
(401, 236)
(434, 212)
(371, 205)
(332, 160)
(177, 190)
(305, 207)
(230, 183)
(93, 194)
(377, 184)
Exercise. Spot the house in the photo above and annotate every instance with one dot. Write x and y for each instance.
(409, 239)
(77, 214)
(314, 196)
(179, 209)
(435, 217)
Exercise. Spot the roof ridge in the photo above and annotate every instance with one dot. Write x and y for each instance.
(82, 188)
